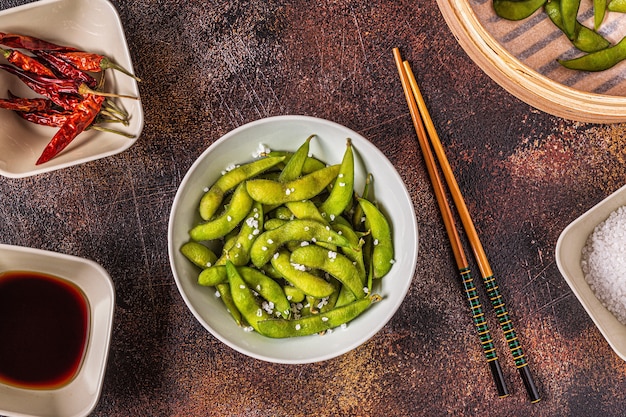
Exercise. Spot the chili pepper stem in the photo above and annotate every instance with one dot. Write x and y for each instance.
(107, 63)
(113, 118)
(84, 89)
(112, 107)
(117, 132)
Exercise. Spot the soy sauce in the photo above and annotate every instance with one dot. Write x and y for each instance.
(44, 323)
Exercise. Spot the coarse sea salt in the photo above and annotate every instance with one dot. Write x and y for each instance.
(604, 263)
(261, 150)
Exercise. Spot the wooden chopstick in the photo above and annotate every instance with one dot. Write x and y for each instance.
(457, 248)
(489, 279)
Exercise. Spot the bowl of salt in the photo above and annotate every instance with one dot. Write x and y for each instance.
(591, 255)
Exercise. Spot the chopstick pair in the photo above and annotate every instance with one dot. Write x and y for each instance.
(421, 118)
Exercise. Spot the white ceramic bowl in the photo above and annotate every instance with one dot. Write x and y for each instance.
(568, 257)
(521, 57)
(288, 133)
(93, 26)
(81, 394)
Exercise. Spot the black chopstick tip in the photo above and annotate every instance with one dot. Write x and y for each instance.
(498, 378)
(529, 383)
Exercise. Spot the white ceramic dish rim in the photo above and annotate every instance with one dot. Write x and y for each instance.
(111, 37)
(568, 255)
(79, 397)
(515, 77)
(411, 252)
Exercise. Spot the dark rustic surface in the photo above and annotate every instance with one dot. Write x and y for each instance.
(210, 66)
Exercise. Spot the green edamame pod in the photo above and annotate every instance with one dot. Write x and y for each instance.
(382, 253)
(336, 264)
(516, 9)
(264, 285)
(229, 238)
(294, 295)
(310, 163)
(198, 254)
(307, 309)
(317, 323)
(569, 14)
(343, 189)
(212, 199)
(213, 276)
(357, 216)
(305, 210)
(304, 188)
(238, 251)
(281, 212)
(270, 271)
(599, 11)
(330, 302)
(243, 298)
(239, 206)
(271, 224)
(226, 296)
(584, 39)
(313, 305)
(267, 288)
(354, 252)
(306, 282)
(344, 297)
(267, 244)
(600, 60)
(293, 168)
(618, 6)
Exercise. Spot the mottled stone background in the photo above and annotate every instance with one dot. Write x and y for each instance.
(210, 66)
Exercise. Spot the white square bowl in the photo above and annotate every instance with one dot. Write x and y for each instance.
(568, 257)
(81, 394)
(90, 25)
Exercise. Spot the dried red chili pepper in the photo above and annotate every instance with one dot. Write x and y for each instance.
(62, 91)
(19, 104)
(57, 85)
(66, 86)
(52, 88)
(65, 69)
(46, 114)
(86, 61)
(26, 62)
(54, 119)
(82, 116)
(31, 43)
(51, 118)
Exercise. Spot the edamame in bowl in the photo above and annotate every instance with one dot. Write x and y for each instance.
(301, 287)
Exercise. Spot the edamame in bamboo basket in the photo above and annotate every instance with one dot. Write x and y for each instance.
(525, 56)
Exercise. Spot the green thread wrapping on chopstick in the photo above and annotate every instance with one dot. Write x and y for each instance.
(478, 315)
(505, 321)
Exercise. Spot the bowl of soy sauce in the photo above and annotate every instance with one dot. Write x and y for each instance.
(44, 323)
(56, 313)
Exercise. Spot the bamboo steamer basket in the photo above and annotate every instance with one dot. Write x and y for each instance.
(521, 57)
